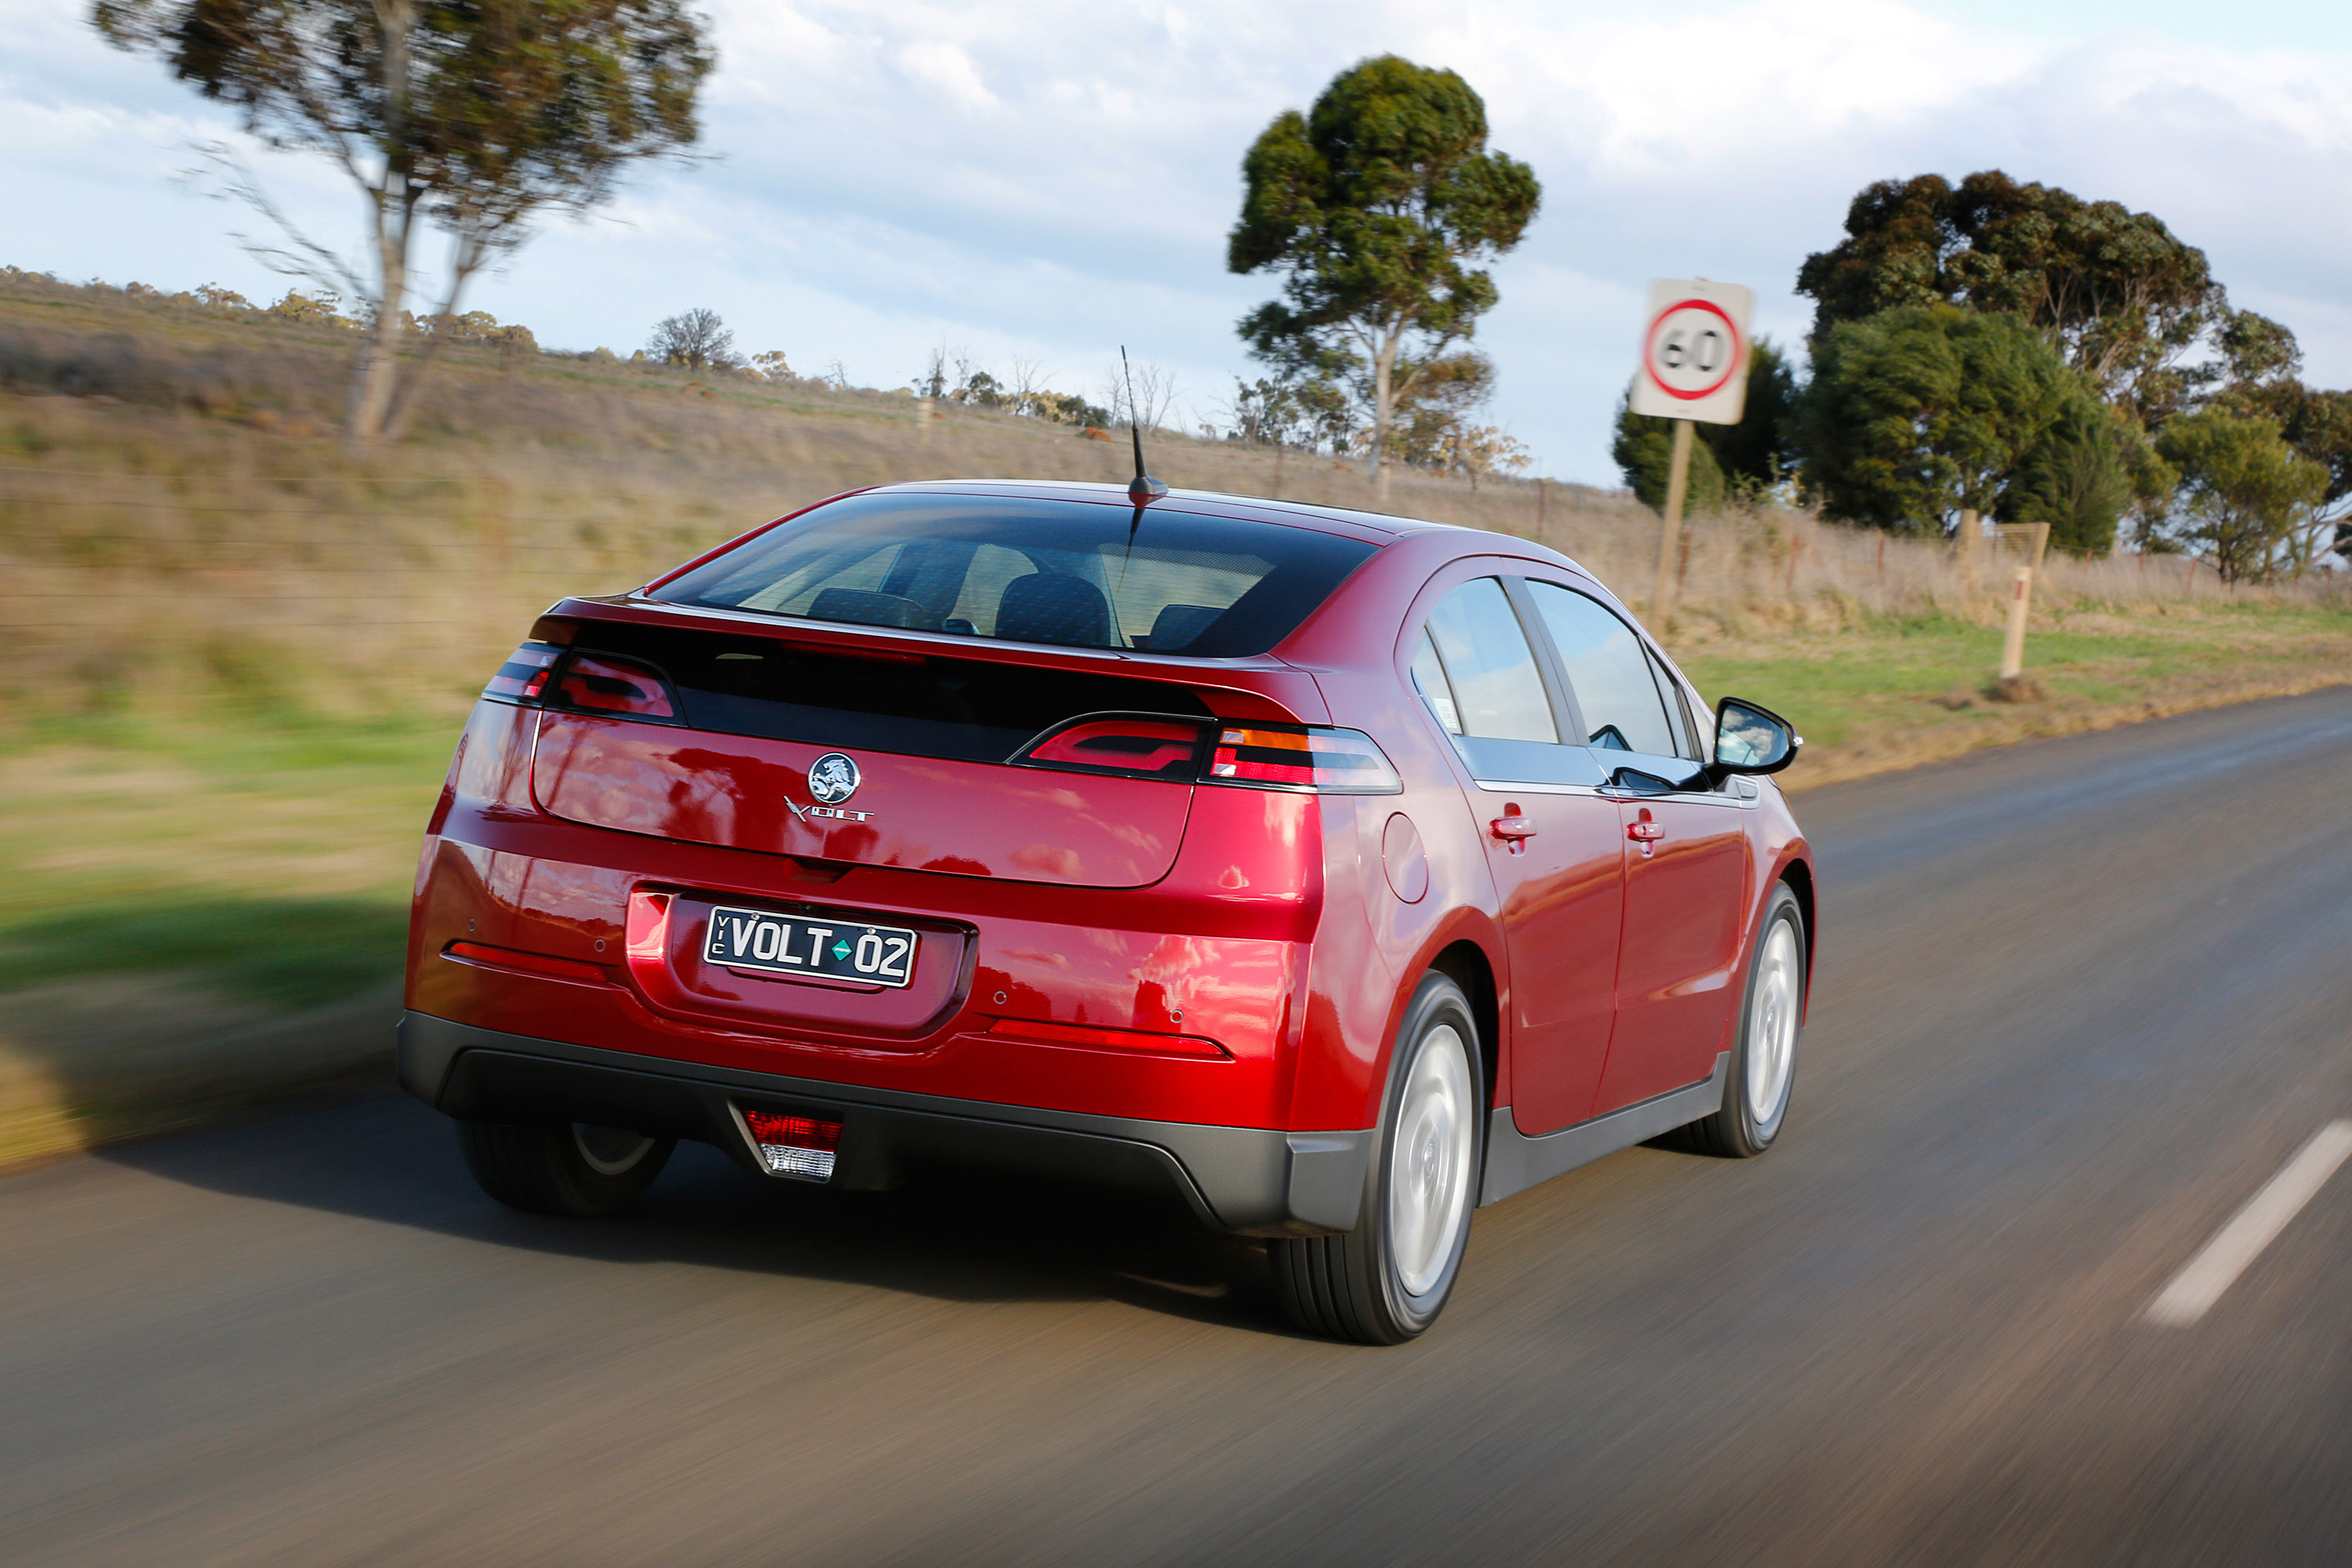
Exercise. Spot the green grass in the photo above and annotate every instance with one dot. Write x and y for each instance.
(265, 854)
(279, 952)
(1927, 674)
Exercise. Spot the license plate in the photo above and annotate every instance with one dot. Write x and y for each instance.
(791, 945)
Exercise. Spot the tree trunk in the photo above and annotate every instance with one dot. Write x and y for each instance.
(374, 377)
(404, 407)
(1384, 409)
(392, 211)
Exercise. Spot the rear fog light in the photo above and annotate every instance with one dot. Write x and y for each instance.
(802, 1147)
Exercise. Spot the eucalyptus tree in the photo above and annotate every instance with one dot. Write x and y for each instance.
(1378, 206)
(2124, 298)
(474, 117)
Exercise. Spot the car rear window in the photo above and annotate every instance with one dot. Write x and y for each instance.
(1019, 569)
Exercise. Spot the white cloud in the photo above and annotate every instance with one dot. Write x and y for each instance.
(1054, 177)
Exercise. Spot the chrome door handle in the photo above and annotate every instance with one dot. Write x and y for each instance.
(1513, 828)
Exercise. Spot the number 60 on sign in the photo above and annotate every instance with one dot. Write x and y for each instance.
(1695, 351)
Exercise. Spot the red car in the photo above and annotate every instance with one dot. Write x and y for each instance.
(1341, 872)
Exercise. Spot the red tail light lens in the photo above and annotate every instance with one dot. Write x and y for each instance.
(523, 676)
(601, 683)
(593, 683)
(800, 1146)
(1140, 746)
(1329, 762)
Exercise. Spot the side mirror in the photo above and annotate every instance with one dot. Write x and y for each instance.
(1751, 740)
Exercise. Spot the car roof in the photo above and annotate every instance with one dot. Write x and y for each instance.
(1262, 507)
(1372, 527)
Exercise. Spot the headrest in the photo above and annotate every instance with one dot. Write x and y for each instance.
(1178, 625)
(1054, 607)
(865, 608)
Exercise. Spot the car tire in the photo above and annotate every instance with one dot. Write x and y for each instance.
(1386, 1280)
(563, 1167)
(1764, 1066)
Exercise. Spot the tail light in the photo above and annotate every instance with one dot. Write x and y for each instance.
(1139, 746)
(523, 676)
(543, 673)
(600, 683)
(1328, 762)
(800, 1146)
(1261, 756)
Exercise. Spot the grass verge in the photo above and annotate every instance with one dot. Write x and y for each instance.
(200, 916)
(1906, 691)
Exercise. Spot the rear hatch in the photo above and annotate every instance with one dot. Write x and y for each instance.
(925, 738)
(850, 684)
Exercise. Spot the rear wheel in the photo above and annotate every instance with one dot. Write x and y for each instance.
(563, 1167)
(1764, 1067)
(1386, 1280)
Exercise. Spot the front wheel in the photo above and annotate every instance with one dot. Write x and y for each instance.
(563, 1167)
(1386, 1280)
(1764, 1067)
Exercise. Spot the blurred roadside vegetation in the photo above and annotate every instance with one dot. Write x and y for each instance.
(239, 654)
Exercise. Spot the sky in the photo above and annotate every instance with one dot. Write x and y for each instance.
(1047, 180)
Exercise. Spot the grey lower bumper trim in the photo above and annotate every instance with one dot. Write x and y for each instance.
(1246, 1179)
(1515, 1163)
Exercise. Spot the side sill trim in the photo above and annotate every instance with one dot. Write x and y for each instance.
(1516, 1162)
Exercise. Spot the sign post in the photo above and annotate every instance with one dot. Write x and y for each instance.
(1694, 370)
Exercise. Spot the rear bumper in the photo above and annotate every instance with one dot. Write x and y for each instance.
(1250, 1180)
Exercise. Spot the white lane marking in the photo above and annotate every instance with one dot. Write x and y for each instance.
(2196, 1288)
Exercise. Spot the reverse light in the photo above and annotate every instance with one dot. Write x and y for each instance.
(1328, 762)
(802, 1147)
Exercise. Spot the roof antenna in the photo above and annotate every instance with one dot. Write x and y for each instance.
(1143, 487)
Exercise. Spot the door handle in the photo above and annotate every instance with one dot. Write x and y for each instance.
(1645, 831)
(1514, 830)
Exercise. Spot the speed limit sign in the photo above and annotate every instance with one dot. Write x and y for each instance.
(1695, 351)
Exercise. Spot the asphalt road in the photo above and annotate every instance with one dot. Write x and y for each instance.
(2077, 1002)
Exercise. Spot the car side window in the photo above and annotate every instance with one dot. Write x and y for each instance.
(1489, 669)
(1678, 715)
(1429, 677)
(1609, 670)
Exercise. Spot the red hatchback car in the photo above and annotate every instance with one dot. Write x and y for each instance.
(1341, 872)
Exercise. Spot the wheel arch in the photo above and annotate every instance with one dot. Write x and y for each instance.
(1466, 964)
(1798, 874)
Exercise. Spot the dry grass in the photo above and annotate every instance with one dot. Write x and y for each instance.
(176, 518)
(236, 651)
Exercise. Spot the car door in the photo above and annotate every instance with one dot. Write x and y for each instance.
(1684, 844)
(1552, 838)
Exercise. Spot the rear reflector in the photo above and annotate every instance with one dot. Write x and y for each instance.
(1330, 761)
(528, 962)
(1082, 1036)
(802, 1147)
